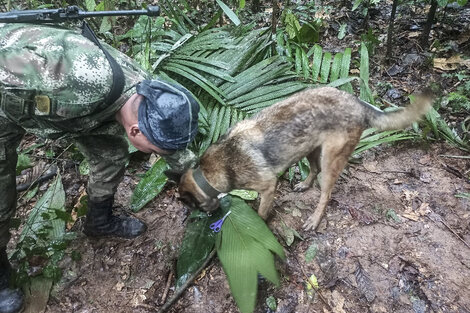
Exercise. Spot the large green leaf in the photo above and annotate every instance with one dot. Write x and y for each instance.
(245, 246)
(197, 244)
(370, 140)
(45, 214)
(344, 73)
(231, 15)
(442, 130)
(316, 65)
(150, 185)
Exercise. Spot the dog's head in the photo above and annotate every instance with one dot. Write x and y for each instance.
(193, 196)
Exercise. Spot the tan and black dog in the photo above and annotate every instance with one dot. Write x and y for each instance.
(322, 124)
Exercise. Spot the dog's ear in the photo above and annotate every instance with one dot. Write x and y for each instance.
(173, 177)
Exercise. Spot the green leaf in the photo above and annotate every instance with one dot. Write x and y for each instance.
(304, 168)
(244, 249)
(316, 65)
(369, 141)
(204, 68)
(197, 244)
(465, 195)
(23, 163)
(231, 15)
(290, 234)
(392, 215)
(196, 78)
(356, 4)
(305, 65)
(312, 285)
(31, 193)
(84, 168)
(271, 303)
(365, 93)
(342, 31)
(298, 60)
(325, 67)
(51, 202)
(105, 25)
(344, 73)
(342, 81)
(292, 24)
(244, 194)
(311, 253)
(308, 33)
(90, 5)
(442, 3)
(336, 67)
(150, 185)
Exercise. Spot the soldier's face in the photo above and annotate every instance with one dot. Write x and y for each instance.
(143, 144)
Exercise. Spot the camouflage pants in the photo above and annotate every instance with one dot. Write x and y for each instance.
(106, 154)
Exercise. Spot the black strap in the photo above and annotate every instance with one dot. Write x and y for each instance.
(202, 182)
(118, 76)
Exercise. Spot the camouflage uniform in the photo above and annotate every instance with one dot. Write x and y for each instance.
(53, 83)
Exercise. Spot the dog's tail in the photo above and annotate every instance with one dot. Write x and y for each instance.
(403, 117)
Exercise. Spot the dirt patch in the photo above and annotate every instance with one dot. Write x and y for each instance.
(382, 247)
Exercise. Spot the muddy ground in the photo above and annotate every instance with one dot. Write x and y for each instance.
(388, 243)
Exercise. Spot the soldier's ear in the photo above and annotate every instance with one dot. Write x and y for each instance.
(134, 130)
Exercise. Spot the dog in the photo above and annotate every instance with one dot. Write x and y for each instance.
(322, 124)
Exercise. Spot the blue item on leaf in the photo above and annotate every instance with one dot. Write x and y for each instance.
(217, 226)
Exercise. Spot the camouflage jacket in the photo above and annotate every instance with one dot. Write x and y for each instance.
(53, 81)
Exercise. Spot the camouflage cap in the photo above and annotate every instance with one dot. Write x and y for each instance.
(168, 114)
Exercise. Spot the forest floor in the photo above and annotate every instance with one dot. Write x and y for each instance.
(391, 230)
(395, 237)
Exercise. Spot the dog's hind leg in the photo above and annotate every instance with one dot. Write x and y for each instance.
(267, 197)
(335, 155)
(314, 161)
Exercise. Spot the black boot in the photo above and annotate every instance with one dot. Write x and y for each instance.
(11, 300)
(101, 222)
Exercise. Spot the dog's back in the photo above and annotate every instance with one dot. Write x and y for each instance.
(323, 124)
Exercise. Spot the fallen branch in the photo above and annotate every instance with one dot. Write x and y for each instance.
(188, 282)
(317, 290)
(454, 156)
(441, 219)
(167, 287)
(455, 172)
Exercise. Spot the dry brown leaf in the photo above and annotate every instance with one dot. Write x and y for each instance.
(424, 209)
(77, 205)
(451, 63)
(411, 216)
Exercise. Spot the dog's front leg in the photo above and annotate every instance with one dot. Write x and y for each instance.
(267, 198)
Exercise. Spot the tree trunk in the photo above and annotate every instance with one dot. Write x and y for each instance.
(390, 31)
(427, 27)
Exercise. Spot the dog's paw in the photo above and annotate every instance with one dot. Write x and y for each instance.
(311, 223)
(302, 186)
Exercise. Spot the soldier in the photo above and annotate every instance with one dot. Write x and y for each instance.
(56, 82)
